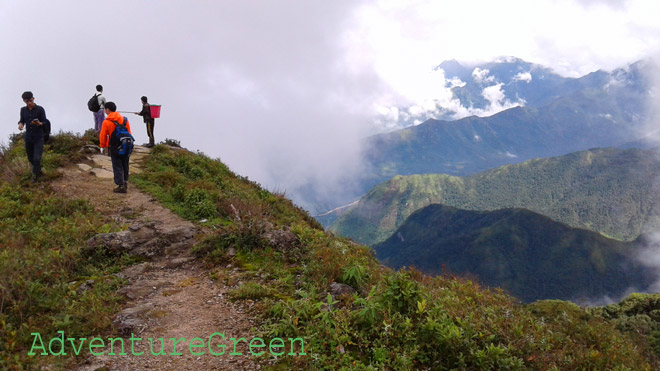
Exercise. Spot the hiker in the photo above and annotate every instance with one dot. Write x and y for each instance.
(109, 141)
(99, 115)
(150, 121)
(37, 131)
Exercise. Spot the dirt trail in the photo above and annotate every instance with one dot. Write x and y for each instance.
(169, 296)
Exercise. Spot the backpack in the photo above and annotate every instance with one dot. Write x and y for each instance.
(93, 103)
(46, 130)
(124, 138)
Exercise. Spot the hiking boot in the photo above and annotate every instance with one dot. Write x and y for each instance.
(120, 189)
(36, 178)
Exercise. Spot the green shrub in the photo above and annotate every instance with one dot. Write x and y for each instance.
(654, 342)
(198, 203)
(639, 315)
(172, 142)
(401, 294)
(67, 147)
(552, 309)
(91, 136)
(355, 275)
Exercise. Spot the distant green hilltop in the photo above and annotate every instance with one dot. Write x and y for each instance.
(530, 255)
(610, 191)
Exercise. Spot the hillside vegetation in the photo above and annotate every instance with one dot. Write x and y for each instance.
(529, 255)
(393, 320)
(48, 281)
(610, 191)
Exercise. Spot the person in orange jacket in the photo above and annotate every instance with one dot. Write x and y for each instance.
(108, 141)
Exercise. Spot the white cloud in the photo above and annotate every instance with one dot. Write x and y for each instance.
(651, 128)
(498, 102)
(431, 99)
(480, 76)
(455, 82)
(494, 94)
(649, 256)
(572, 37)
(391, 118)
(617, 80)
(523, 76)
(403, 40)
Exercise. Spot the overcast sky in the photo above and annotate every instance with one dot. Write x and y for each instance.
(282, 91)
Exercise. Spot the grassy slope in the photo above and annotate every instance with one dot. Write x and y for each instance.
(529, 255)
(48, 282)
(610, 191)
(396, 320)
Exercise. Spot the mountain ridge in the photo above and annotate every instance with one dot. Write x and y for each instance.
(601, 109)
(530, 255)
(609, 191)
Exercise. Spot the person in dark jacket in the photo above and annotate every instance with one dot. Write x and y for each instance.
(150, 121)
(37, 131)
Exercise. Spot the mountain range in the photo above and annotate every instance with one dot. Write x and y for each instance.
(611, 191)
(530, 84)
(598, 110)
(529, 255)
(556, 116)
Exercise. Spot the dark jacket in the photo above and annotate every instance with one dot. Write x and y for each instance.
(33, 132)
(146, 113)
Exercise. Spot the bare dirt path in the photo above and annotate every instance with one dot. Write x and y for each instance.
(168, 296)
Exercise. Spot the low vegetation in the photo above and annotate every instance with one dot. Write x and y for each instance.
(392, 319)
(638, 315)
(47, 281)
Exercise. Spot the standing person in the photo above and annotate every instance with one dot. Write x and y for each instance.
(99, 115)
(37, 130)
(150, 121)
(119, 162)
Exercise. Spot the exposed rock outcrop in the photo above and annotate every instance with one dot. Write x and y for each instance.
(142, 239)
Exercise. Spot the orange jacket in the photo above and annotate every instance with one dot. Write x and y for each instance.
(109, 127)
